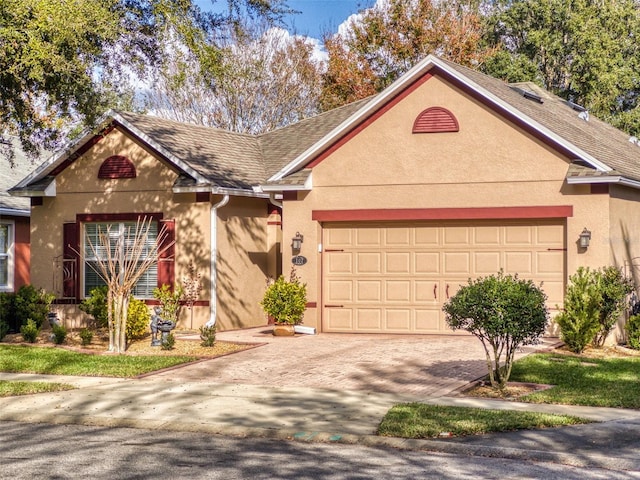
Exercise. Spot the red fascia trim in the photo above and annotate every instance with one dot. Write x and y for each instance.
(476, 213)
(372, 118)
(107, 217)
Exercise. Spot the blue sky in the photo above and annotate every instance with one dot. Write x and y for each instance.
(316, 17)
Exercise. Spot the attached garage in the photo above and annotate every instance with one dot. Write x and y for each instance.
(395, 277)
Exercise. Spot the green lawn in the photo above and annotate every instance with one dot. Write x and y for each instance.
(608, 382)
(56, 361)
(417, 420)
(10, 388)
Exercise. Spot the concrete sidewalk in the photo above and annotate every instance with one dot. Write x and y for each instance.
(324, 415)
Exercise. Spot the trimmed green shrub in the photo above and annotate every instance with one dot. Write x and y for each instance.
(59, 334)
(138, 318)
(96, 306)
(30, 331)
(579, 321)
(614, 288)
(86, 336)
(208, 335)
(633, 331)
(504, 312)
(285, 300)
(6, 311)
(31, 303)
(168, 342)
(4, 328)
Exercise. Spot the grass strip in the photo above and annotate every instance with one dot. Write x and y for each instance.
(598, 382)
(56, 361)
(417, 420)
(14, 388)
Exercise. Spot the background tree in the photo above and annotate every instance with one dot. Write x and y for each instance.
(504, 312)
(64, 62)
(262, 78)
(385, 41)
(585, 51)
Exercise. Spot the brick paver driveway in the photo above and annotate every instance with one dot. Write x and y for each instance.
(421, 366)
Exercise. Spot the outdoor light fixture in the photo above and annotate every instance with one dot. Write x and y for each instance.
(296, 242)
(585, 238)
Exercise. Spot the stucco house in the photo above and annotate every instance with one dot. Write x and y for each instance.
(394, 201)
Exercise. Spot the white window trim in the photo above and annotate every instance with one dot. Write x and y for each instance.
(11, 242)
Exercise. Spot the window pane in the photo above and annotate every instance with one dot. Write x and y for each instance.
(4, 238)
(126, 230)
(4, 271)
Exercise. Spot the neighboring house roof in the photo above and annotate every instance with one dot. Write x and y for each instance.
(11, 175)
(225, 162)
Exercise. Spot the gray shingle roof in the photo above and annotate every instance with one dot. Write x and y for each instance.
(11, 176)
(602, 141)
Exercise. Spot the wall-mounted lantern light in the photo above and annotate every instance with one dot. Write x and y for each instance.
(585, 238)
(296, 242)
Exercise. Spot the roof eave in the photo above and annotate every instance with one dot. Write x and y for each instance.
(419, 69)
(48, 191)
(11, 212)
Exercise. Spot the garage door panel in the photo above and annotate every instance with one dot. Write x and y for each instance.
(550, 262)
(428, 321)
(458, 236)
(369, 291)
(425, 291)
(427, 262)
(487, 236)
(519, 262)
(426, 236)
(398, 291)
(518, 235)
(339, 262)
(398, 262)
(486, 263)
(456, 262)
(369, 262)
(398, 237)
(339, 291)
(368, 237)
(398, 320)
(395, 278)
(369, 319)
(339, 319)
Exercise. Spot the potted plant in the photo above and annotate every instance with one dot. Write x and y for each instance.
(285, 301)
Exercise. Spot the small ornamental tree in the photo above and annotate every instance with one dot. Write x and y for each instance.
(579, 321)
(614, 289)
(504, 312)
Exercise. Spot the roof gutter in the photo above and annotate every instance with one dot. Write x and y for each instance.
(10, 212)
(604, 179)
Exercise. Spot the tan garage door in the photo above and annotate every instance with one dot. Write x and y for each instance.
(394, 278)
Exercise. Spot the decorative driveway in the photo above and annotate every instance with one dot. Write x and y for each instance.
(418, 366)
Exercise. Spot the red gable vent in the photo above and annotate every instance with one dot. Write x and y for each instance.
(435, 120)
(117, 166)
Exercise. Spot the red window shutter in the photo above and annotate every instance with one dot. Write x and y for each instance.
(70, 261)
(166, 264)
(435, 120)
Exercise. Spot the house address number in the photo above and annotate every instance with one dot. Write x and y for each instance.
(299, 260)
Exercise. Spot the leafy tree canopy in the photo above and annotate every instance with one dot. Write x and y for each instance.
(585, 51)
(64, 62)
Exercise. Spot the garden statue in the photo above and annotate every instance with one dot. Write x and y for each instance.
(158, 324)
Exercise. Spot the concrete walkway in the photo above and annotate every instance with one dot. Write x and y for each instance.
(215, 397)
